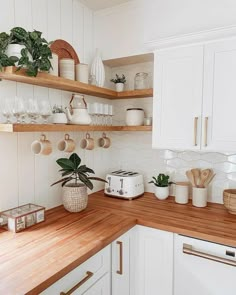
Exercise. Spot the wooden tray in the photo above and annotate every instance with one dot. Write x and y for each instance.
(64, 50)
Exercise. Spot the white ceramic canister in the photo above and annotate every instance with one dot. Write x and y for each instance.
(134, 117)
(81, 73)
(181, 192)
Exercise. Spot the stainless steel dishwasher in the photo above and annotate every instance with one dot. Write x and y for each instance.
(203, 268)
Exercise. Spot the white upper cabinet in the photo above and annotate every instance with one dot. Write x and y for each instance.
(178, 98)
(219, 96)
(195, 101)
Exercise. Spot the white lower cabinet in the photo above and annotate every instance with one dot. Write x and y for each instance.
(154, 262)
(203, 268)
(123, 263)
(91, 277)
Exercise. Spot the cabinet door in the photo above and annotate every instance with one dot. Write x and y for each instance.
(154, 262)
(177, 98)
(219, 96)
(122, 262)
(101, 287)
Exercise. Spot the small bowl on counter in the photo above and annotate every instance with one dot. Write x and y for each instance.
(229, 199)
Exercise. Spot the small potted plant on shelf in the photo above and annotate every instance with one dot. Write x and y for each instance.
(25, 49)
(75, 196)
(58, 115)
(161, 183)
(119, 81)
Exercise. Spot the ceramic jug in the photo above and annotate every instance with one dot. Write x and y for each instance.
(77, 113)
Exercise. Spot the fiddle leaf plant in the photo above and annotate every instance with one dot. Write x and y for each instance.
(74, 171)
(161, 180)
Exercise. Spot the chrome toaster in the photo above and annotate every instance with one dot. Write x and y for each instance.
(124, 184)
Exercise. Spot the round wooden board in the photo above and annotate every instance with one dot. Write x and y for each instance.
(64, 50)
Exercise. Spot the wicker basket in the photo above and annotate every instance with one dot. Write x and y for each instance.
(229, 197)
(75, 197)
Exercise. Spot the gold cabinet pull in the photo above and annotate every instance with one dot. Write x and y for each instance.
(188, 249)
(195, 131)
(89, 274)
(206, 131)
(120, 271)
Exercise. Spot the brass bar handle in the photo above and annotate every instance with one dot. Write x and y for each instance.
(206, 131)
(195, 131)
(120, 271)
(89, 274)
(188, 249)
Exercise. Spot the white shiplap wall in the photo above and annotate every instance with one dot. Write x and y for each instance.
(24, 177)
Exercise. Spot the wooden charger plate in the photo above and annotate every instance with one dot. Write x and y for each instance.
(64, 50)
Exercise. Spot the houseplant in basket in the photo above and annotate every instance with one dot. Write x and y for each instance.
(75, 182)
(25, 49)
(119, 81)
(161, 183)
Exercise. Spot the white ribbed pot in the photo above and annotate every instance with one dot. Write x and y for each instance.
(75, 197)
(162, 193)
(119, 87)
(98, 70)
(15, 50)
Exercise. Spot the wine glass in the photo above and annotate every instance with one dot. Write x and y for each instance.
(18, 109)
(7, 109)
(45, 109)
(33, 110)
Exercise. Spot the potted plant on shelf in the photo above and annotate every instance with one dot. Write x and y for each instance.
(25, 49)
(161, 183)
(75, 196)
(119, 81)
(58, 115)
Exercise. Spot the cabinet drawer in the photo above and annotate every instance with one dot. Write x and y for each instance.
(87, 273)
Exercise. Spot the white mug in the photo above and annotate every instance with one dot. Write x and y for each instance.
(42, 146)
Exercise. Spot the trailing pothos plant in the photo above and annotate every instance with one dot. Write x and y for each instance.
(35, 55)
(74, 171)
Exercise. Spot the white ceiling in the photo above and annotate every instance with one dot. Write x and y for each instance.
(101, 4)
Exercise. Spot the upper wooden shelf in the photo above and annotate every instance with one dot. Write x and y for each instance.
(67, 128)
(50, 81)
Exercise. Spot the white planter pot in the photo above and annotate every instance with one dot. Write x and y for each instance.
(15, 50)
(161, 193)
(75, 197)
(119, 87)
(59, 118)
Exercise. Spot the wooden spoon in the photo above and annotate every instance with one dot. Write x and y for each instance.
(209, 179)
(189, 174)
(196, 175)
(204, 176)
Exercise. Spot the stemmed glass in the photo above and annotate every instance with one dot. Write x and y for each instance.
(7, 109)
(19, 109)
(33, 110)
(45, 109)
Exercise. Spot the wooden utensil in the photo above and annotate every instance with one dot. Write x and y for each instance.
(190, 176)
(209, 179)
(204, 176)
(196, 175)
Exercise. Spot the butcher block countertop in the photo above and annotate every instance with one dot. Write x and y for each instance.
(32, 260)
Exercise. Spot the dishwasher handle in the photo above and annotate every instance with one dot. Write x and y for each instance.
(188, 249)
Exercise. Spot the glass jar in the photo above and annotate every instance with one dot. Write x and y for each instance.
(141, 81)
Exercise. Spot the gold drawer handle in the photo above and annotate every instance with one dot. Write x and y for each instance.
(206, 131)
(195, 131)
(120, 271)
(188, 249)
(89, 274)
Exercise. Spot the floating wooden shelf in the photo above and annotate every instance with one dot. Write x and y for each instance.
(50, 81)
(67, 128)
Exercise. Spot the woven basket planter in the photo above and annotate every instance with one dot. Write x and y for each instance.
(75, 197)
(229, 197)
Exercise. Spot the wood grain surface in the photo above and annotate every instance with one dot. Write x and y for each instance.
(32, 260)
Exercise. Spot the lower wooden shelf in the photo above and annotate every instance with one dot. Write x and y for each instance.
(67, 128)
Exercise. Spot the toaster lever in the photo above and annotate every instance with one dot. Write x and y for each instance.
(121, 192)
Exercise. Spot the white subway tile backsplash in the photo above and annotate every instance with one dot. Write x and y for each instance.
(177, 163)
(213, 157)
(226, 167)
(189, 156)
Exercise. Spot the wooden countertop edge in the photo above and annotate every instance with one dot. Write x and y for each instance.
(94, 249)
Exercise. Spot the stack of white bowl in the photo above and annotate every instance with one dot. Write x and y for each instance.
(67, 68)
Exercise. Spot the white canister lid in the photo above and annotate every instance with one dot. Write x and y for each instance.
(134, 109)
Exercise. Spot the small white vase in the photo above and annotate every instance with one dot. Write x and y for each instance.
(162, 193)
(119, 87)
(98, 70)
(59, 118)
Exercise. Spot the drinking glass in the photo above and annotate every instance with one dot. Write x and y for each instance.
(33, 110)
(7, 109)
(45, 109)
(18, 109)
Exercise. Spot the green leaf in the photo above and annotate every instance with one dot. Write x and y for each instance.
(66, 179)
(75, 159)
(66, 163)
(97, 178)
(85, 169)
(66, 172)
